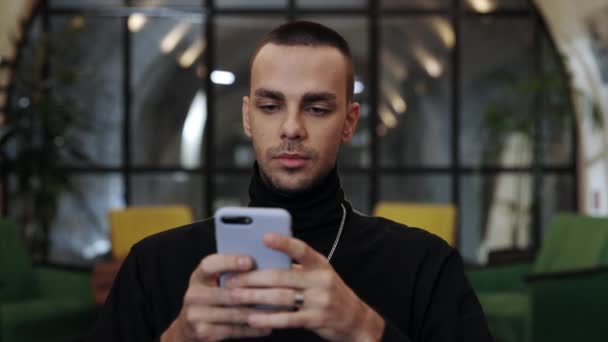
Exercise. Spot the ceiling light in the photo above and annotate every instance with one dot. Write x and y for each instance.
(445, 31)
(397, 102)
(222, 77)
(433, 67)
(137, 21)
(387, 117)
(429, 62)
(483, 6)
(191, 54)
(359, 87)
(172, 38)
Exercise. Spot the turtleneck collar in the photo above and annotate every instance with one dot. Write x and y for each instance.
(312, 209)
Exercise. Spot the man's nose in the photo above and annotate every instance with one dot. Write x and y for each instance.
(293, 127)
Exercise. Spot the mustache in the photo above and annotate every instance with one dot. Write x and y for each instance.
(291, 147)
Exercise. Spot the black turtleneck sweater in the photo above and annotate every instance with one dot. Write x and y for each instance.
(410, 277)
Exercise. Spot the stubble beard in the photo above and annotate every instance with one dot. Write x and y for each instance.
(276, 179)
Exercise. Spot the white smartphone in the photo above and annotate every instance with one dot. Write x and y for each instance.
(240, 230)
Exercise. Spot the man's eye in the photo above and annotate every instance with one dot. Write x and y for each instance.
(317, 110)
(269, 108)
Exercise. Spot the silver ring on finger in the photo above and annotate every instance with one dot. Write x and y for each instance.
(298, 300)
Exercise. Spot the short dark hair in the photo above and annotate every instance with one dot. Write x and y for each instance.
(307, 33)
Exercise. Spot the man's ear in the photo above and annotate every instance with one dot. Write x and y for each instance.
(246, 122)
(350, 124)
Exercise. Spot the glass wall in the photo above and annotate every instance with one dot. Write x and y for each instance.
(457, 105)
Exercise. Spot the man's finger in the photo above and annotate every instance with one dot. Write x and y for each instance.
(296, 249)
(213, 265)
(295, 279)
(300, 319)
(246, 331)
(219, 332)
(201, 295)
(279, 297)
(225, 315)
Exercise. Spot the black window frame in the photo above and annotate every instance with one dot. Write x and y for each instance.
(374, 14)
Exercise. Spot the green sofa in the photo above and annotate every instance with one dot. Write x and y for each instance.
(40, 303)
(561, 296)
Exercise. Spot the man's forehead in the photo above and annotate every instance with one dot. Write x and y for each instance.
(296, 70)
(272, 53)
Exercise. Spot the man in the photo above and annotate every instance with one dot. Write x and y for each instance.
(356, 278)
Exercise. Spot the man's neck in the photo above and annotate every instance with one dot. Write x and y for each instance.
(315, 208)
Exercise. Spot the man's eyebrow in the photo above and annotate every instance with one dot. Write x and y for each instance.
(272, 94)
(320, 96)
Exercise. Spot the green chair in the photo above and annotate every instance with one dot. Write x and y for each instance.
(562, 296)
(39, 303)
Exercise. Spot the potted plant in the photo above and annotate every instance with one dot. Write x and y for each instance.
(37, 138)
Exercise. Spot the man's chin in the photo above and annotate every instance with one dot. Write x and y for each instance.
(291, 180)
(291, 185)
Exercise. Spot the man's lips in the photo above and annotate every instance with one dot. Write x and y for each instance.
(292, 160)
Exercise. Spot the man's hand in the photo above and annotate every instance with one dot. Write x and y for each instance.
(330, 308)
(211, 313)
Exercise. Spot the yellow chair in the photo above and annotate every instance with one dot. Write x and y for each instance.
(439, 219)
(130, 225)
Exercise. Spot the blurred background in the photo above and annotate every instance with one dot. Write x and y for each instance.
(493, 110)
